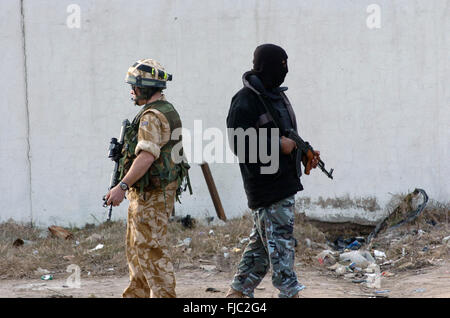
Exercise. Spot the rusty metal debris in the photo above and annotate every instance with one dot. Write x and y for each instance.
(397, 218)
(60, 232)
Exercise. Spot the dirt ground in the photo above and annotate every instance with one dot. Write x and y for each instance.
(432, 282)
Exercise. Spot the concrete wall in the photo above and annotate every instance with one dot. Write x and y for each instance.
(15, 196)
(374, 101)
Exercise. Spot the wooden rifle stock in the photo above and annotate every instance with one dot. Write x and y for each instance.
(305, 153)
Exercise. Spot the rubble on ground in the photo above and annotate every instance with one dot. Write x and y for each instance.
(397, 246)
(414, 235)
(60, 232)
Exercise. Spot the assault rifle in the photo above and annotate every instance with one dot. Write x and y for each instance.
(305, 149)
(114, 153)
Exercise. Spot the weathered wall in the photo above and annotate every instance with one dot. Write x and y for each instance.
(15, 197)
(374, 101)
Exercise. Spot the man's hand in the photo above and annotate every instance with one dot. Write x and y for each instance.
(115, 196)
(315, 159)
(287, 145)
(311, 160)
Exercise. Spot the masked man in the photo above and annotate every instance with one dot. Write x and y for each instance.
(262, 104)
(153, 181)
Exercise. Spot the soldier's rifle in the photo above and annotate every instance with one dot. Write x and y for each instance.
(114, 153)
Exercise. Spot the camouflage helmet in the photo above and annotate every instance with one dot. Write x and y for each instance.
(147, 73)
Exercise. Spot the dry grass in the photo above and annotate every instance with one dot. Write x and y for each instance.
(48, 253)
(209, 247)
(205, 249)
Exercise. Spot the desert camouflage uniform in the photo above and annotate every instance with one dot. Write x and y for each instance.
(151, 270)
(154, 132)
(271, 246)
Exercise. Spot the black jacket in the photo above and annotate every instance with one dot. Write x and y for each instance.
(253, 106)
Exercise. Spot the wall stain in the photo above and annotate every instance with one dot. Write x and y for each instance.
(22, 14)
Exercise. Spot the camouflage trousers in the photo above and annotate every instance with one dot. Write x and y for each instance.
(271, 246)
(150, 266)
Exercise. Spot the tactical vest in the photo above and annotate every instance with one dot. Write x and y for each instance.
(163, 171)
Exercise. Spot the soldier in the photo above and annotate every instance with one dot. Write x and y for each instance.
(260, 104)
(153, 181)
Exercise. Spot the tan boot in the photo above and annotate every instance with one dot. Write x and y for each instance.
(232, 293)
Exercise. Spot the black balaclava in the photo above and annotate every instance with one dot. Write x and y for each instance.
(268, 66)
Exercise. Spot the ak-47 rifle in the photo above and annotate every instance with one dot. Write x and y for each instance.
(114, 153)
(306, 151)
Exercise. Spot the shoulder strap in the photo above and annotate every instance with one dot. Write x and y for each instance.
(290, 110)
(275, 117)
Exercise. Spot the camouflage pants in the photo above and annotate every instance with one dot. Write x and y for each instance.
(271, 246)
(151, 270)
